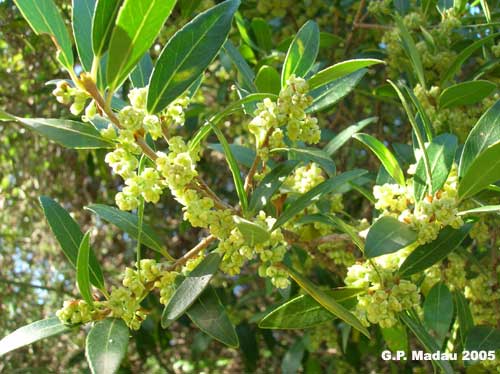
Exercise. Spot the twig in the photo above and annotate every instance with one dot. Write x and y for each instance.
(31, 285)
(192, 252)
(357, 18)
(256, 162)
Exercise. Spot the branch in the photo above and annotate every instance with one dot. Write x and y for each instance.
(192, 252)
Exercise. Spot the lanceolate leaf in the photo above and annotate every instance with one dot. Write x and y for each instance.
(328, 302)
(102, 24)
(438, 311)
(485, 133)
(342, 137)
(244, 155)
(106, 346)
(245, 71)
(302, 52)
(128, 222)
(70, 134)
(210, 316)
(304, 311)
(82, 269)
(484, 170)
(483, 338)
(396, 337)
(188, 53)
(268, 80)
(441, 153)
(69, 236)
(411, 50)
(270, 184)
(465, 93)
(142, 72)
(339, 70)
(316, 193)
(137, 26)
(464, 55)
(44, 18)
(233, 166)
(190, 288)
(481, 209)
(388, 235)
(81, 14)
(431, 253)
(384, 155)
(427, 341)
(328, 94)
(31, 333)
(252, 232)
(464, 315)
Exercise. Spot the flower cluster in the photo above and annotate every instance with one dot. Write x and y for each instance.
(236, 251)
(66, 94)
(386, 295)
(459, 122)
(123, 160)
(289, 111)
(426, 217)
(124, 302)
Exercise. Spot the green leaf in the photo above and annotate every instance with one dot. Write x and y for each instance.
(441, 153)
(292, 359)
(31, 333)
(304, 311)
(308, 154)
(70, 134)
(486, 10)
(485, 133)
(484, 170)
(465, 93)
(4, 116)
(481, 209)
(233, 166)
(188, 53)
(190, 288)
(388, 235)
(246, 73)
(464, 315)
(128, 222)
(396, 338)
(102, 24)
(313, 195)
(82, 269)
(416, 131)
(464, 55)
(421, 114)
(137, 26)
(69, 236)
(427, 341)
(210, 316)
(262, 32)
(252, 232)
(142, 72)
(483, 338)
(431, 253)
(81, 14)
(385, 156)
(328, 94)
(339, 70)
(438, 311)
(44, 18)
(270, 184)
(244, 155)
(328, 302)
(342, 137)
(411, 50)
(302, 52)
(268, 80)
(106, 345)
